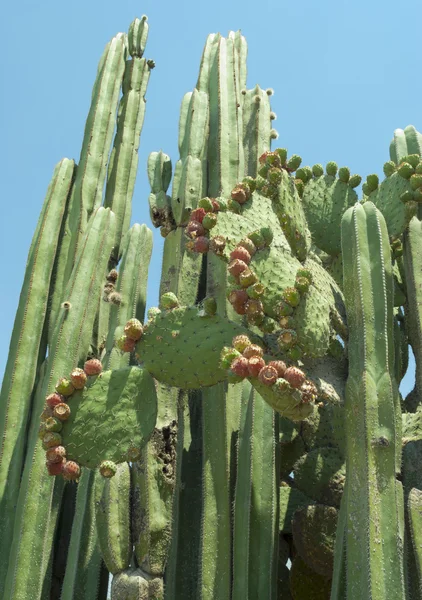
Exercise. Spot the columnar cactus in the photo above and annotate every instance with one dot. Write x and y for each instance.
(246, 438)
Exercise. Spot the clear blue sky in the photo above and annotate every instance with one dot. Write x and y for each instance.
(345, 75)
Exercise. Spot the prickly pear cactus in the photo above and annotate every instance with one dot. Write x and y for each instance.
(246, 438)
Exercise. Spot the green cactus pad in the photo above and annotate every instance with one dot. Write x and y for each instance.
(386, 198)
(291, 499)
(135, 584)
(182, 348)
(325, 199)
(306, 584)
(116, 413)
(314, 531)
(321, 474)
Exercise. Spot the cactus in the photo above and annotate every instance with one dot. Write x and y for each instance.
(253, 417)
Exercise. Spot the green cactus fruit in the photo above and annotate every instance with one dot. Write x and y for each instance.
(256, 290)
(344, 174)
(354, 181)
(314, 531)
(209, 221)
(306, 584)
(294, 162)
(108, 469)
(372, 182)
(389, 168)
(318, 170)
(206, 204)
(51, 439)
(133, 329)
(331, 168)
(62, 411)
(240, 342)
(93, 367)
(284, 309)
(302, 284)
(247, 277)
(52, 424)
(287, 339)
(292, 296)
(405, 170)
(415, 181)
(412, 159)
(64, 387)
(208, 307)
(78, 378)
(295, 353)
(169, 301)
(191, 359)
(117, 412)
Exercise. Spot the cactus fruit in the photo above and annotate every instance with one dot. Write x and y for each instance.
(93, 367)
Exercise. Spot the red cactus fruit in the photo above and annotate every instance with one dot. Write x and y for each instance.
(64, 387)
(108, 469)
(125, 344)
(241, 253)
(240, 342)
(78, 378)
(55, 468)
(71, 471)
(263, 158)
(134, 329)
(215, 205)
(255, 364)
(240, 367)
(254, 307)
(194, 229)
(93, 367)
(56, 454)
(54, 399)
(236, 267)
(238, 297)
(294, 376)
(62, 411)
(279, 365)
(253, 350)
(197, 215)
(309, 392)
(248, 245)
(201, 244)
(268, 375)
(51, 439)
(240, 194)
(239, 308)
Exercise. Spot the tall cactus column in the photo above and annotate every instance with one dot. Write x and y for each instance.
(372, 512)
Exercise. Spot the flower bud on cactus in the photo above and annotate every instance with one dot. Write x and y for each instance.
(287, 339)
(210, 221)
(62, 411)
(247, 278)
(253, 350)
(228, 355)
(51, 439)
(240, 253)
(108, 288)
(236, 267)
(240, 342)
(294, 376)
(206, 204)
(65, 387)
(197, 215)
(294, 162)
(268, 375)
(201, 245)
(331, 168)
(54, 399)
(169, 301)
(133, 329)
(240, 367)
(194, 229)
(78, 378)
(53, 423)
(249, 182)
(112, 276)
(71, 471)
(255, 364)
(279, 366)
(56, 454)
(108, 469)
(93, 367)
(55, 468)
(291, 296)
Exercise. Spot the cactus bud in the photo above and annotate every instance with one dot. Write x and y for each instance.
(304, 174)
(78, 378)
(405, 170)
(64, 387)
(108, 469)
(344, 174)
(53, 423)
(267, 325)
(252, 350)
(240, 367)
(51, 439)
(255, 364)
(71, 471)
(268, 375)
(242, 254)
(412, 159)
(294, 376)
(331, 168)
(302, 284)
(282, 154)
(62, 411)
(389, 168)
(54, 399)
(415, 181)
(274, 175)
(133, 329)
(355, 180)
(194, 229)
(227, 356)
(240, 342)
(318, 170)
(93, 367)
(115, 298)
(250, 183)
(56, 454)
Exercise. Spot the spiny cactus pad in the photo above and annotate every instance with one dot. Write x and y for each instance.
(115, 413)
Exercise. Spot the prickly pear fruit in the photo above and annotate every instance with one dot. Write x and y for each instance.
(71, 471)
(54, 399)
(108, 468)
(133, 329)
(62, 411)
(268, 375)
(294, 376)
(56, 454)
(78, 378)
(93, 367)
(64, 387)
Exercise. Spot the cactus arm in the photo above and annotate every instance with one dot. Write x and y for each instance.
(30, 549)
(159, 175)
(256, 127)
(83, 566)
(123, 162)
(26, 345)
(373, 507)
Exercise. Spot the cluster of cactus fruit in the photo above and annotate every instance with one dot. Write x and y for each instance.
(247, 438)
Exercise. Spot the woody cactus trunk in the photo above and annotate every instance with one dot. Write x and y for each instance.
(247, 438)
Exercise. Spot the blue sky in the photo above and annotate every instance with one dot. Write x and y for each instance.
(345, 75)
